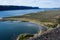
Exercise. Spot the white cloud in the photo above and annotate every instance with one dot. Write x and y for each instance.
(40, 3)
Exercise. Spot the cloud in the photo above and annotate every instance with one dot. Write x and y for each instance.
(40, 3)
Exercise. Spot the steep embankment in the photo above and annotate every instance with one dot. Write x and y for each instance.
(53, 34)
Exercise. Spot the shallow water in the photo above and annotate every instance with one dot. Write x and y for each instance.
(17, 12)
(10, 29)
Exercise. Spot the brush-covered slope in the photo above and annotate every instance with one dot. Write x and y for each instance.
(53, 34)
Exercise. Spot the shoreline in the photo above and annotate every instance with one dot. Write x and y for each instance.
(34, 22)
(45, 19)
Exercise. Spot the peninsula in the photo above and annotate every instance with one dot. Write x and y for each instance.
(44, 17)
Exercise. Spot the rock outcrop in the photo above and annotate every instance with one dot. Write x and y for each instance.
(53, 34)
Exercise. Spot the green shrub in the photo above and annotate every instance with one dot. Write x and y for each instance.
(24, 36)
(51, 25)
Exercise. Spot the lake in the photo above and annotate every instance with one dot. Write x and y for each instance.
(17, 12)
(10, 29)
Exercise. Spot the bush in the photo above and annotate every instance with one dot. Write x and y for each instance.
(51, 25)
(24, 36)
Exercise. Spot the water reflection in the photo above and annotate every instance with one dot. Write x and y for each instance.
(10, 29)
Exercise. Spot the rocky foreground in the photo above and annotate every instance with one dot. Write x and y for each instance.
(53, 34)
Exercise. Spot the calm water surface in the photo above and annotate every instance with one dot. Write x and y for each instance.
(10, 29)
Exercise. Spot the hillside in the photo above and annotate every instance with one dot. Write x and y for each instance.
(53, 34)
(10, 7)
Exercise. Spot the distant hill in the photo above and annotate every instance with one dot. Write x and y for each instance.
(4, 7)
(50, 8)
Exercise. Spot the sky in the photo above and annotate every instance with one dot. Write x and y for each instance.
(37, 3)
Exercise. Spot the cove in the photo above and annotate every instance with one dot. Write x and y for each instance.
(10, 29)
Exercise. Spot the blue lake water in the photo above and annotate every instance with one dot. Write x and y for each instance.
(10, 29)
(17, 12)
